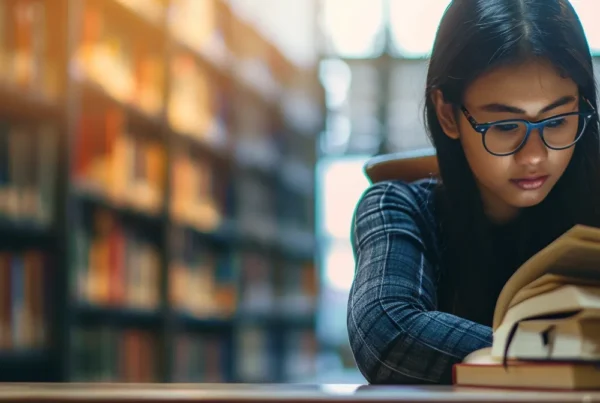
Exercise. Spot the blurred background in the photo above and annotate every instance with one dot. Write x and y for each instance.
(178, 177)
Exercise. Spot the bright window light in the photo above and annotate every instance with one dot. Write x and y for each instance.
(588, 11)
(352, 26)
(413, 25)
(336, 77)
(287, 23)
(338, 266)
(341, 182)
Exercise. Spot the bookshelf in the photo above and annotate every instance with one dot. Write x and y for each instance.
(157, 200)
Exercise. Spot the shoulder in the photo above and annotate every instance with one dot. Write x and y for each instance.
(416, 199)
(398, 207)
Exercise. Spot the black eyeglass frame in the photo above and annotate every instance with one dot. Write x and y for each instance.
(482, 128)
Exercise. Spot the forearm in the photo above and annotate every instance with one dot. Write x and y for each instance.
(397, 332)
(398, 344)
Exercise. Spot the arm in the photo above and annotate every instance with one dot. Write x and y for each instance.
(396, 333)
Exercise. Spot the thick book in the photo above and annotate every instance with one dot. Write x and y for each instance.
(547, 321)
(479, 369)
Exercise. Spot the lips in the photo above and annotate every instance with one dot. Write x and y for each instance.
(530, 183)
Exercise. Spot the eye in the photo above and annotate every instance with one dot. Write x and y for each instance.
(553, 124)
(506, 127)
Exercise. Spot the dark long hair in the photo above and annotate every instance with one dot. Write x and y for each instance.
(475, 36)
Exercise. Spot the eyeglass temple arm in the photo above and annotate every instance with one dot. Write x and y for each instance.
(470, 118)
(589, 103)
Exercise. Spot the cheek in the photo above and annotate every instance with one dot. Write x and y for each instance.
(488, 169)
(559, 160)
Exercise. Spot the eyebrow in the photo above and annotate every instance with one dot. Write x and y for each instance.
(496, 107)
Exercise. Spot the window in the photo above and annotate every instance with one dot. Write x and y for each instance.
(588, 11)
(413, 25)
(352, 28)
(340, 184)
(288, 23)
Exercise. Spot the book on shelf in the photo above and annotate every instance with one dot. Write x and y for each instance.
(193, 199)
(115, 266)
(196, 24)
(152, 10)
(254, 61)
(23, 300)
(28, 172)
(254, 361)
(297, 175)
(193, 104)
(546, 322)
(104, 354)
(255, 142)
(28, 43)
(119, 62)
(199, 358)
(200, 284)
(296, 239)
(301, 355)
(257, 294)
(298, 290)
(256, 208)
(114, 162)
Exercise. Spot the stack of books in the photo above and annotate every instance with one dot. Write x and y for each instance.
(546, 322)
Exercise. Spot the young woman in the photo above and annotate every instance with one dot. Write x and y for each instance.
(511, 110)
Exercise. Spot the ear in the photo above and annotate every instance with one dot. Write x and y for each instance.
(445, 115)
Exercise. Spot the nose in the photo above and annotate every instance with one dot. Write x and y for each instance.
(533, 152)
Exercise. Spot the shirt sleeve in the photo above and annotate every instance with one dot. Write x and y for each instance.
(396, 333)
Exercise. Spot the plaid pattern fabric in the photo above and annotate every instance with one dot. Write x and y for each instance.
(397, 331)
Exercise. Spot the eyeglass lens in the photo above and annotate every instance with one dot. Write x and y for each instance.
(506, 137)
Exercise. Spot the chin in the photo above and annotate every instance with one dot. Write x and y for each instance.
(529, 198)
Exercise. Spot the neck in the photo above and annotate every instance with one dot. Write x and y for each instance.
(501, 214)
(496, 210)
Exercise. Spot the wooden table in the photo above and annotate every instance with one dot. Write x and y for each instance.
(73, 392)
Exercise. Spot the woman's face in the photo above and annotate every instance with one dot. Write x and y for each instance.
(531, 91)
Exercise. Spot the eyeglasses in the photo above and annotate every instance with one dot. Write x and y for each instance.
(506, 137)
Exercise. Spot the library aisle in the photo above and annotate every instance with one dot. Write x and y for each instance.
(157, 193)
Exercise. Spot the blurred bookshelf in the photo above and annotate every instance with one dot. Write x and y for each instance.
(157, 196)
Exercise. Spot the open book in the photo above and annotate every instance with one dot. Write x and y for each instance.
(546, 321)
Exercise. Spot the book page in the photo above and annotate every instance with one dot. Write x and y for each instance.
(548, 283)
(573, 336)
(482, 356)
(567, 256)
(566, 299)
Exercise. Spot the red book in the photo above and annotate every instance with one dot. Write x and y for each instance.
(484, 371)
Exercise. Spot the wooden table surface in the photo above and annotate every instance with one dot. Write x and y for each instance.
(74, 392)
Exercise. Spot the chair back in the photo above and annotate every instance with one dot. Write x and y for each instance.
(405, 166)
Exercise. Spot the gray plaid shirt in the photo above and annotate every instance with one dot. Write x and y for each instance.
(397, 333)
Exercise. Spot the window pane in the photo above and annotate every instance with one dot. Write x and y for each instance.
(336, 138)
(353, 93)
(588, 14)
(336, 77)
(337, 265)
(413, 26)
(406, 127)
(290, 24)
(352, 27)
(340, 185)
